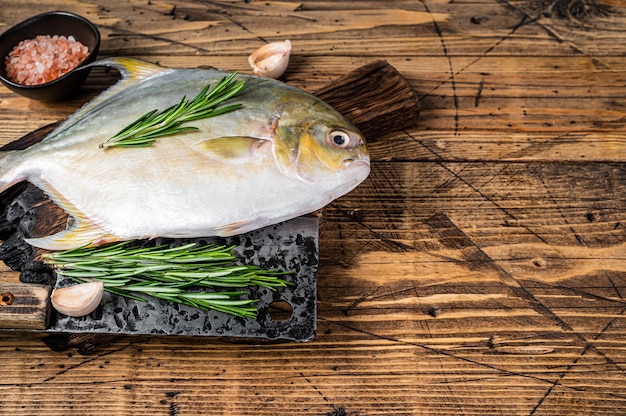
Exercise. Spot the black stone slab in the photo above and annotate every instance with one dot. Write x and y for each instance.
(291, 245)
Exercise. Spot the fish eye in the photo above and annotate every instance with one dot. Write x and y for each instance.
(338, 138)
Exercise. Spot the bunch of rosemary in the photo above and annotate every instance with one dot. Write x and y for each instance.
(148, 128)
(176, 274)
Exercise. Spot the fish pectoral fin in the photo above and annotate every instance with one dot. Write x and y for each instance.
(236, 147)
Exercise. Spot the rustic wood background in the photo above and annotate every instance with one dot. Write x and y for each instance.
(480, 270)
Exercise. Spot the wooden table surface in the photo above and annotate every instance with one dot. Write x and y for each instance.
(479, 270)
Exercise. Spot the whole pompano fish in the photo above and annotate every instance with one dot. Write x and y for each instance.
(285, 153)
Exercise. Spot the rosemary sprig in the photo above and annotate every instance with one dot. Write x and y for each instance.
(176, 274)
(148, 128)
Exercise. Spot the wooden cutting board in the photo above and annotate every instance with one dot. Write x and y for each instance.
(375, 97)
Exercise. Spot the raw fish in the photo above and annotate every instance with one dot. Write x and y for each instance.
(285, 153)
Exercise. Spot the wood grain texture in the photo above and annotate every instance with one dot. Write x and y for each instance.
(24, 306)
(479, 270)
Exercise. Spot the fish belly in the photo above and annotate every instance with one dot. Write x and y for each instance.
(170, 190)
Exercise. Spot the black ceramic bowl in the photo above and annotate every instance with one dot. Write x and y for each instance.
(52, 23)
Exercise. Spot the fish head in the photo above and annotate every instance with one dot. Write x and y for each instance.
(322, 149)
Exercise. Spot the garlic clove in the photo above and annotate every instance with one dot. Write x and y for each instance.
(78, 300)
(271, 60)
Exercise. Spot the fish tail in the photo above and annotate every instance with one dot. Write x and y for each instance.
(81, 232)
(9, 170)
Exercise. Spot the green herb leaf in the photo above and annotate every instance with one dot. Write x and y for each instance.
(179, 274)
(148, 128)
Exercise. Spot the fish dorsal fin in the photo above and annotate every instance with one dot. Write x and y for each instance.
(233, 148)
(132, 71)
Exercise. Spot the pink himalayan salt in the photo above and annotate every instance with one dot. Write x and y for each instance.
(44, 59)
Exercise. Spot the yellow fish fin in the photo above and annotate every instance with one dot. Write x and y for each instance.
(132, 70)
(232, 147)
(81, 231)
(235, 228)
(90, 236)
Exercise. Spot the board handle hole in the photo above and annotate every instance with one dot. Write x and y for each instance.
(6, 299)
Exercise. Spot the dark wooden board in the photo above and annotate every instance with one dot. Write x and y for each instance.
(375, 97)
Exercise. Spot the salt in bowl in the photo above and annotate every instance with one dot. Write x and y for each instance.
(51, 23)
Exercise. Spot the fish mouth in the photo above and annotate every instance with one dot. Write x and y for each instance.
(354, 173)
(358, 169)
(358, 165)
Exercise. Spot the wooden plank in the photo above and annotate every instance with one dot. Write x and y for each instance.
(24, 306)
(478, 271)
